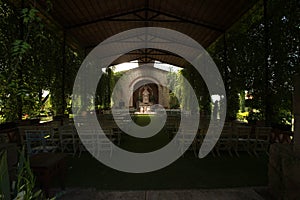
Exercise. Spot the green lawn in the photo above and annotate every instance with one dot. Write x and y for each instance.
(142, 120)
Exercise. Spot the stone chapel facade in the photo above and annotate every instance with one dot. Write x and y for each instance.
(147, 87)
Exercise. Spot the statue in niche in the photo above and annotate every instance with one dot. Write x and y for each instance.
(145, 95)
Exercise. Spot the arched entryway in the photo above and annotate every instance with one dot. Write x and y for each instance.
(140, 94)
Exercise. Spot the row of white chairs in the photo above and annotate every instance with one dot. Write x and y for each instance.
(66, 139)
(244, 139)
(233, 139)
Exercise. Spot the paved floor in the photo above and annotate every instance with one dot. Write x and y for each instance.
(211, 194)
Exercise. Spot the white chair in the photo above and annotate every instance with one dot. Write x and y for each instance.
(226, 140)
(210, 140)
(96, 142)
(105, 141)
(87, 141)
(37, 141)
(243, 141)
(171, 127)
(262, 139)
(68, 139)
(116, 132)
(186, 139)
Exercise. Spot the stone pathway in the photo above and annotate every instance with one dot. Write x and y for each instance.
(209, 194)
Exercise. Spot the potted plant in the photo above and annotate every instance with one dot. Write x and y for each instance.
(24, 187)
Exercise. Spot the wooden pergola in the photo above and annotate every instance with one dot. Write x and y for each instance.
(85, 24)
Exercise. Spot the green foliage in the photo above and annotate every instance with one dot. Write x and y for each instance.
(174, 104)
(31, 61)
(283, 117)
(177, 86)
(105, 88)
(245, 69)
(19, 48)
(4, 177)
(242, 97)
(242, 116)
(25, 186)
(254, 116)
(233, 103)
(29, 15)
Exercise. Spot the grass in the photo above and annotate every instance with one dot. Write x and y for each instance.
(142, 120)
(143, 145)
(187, 172)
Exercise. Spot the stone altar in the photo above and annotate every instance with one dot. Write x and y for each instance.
(145, 105)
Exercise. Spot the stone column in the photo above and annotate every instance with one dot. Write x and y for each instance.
(296, 110)
(130, 103)
(166, 97)
(160, 94)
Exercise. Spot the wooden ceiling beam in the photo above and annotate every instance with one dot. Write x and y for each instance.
(107, 18)
(189, 21)
(175, 18)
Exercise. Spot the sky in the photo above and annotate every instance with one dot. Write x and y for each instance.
(134, 64)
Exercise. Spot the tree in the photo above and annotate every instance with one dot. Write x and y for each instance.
(30, 62)
(246, 69)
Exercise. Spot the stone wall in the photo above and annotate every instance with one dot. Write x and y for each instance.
(284, 161)
(284, 172)
(296, 109)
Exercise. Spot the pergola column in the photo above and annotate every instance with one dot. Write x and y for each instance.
(20, 68)
(166, 97)
(267, 110)
(296, 110)
(63, 75)
(131, 91)
(160, 95)
(225, 57)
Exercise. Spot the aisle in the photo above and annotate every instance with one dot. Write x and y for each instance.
(211, 194)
